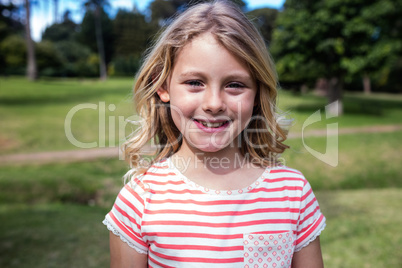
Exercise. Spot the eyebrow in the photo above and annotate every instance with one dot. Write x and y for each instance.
(189, 74)
(232, 76)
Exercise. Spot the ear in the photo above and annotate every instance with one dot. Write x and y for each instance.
(163, 94)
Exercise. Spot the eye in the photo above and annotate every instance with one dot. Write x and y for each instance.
(235, 85)
(235, 88)
(194, 83)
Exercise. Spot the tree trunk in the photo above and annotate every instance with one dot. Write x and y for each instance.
(335, 107)
(99, 42)
(32, 72)
(56, 11)
(366, 84)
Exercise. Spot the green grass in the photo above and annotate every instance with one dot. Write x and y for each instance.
(359, 110)
(363, 230)
(95, 183)
(369, 160)
(51, 214)
(33, 114)
(53, 235)
(366, 160)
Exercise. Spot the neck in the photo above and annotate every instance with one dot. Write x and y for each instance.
(225, 169)
(220, 162)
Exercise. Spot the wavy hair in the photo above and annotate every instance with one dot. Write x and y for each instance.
(236, 33)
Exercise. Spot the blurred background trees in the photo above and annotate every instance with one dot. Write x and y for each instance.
(338, 41)
(331, 44)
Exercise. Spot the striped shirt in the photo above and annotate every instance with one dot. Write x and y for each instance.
(181, 224)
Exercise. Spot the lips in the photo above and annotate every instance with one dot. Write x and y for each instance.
(211, 126)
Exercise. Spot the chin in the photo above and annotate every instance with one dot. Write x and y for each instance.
(212, 148)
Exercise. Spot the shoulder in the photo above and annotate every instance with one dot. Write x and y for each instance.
(284, 173)
(157, 175)
(285, 178)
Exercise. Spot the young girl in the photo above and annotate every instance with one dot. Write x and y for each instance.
(215, 194)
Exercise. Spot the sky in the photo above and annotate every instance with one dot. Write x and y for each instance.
(42, 16)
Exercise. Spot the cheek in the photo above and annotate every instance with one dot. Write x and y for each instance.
(180, 113)
(181, 108)
(243, 109)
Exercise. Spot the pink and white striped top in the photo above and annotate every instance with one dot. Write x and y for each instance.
(181, 224)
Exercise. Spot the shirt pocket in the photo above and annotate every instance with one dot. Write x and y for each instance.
(268, 249)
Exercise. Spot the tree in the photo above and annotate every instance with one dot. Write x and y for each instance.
(96, 6)
(32, 72)
(376, 34)
(56, 11)
(264, 18)
(66, 30)
(327, 39)
(163, 10)
(10, 25)
(9, 21)
(13, 52)
(132, 35)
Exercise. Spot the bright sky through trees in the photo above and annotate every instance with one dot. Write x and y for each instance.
(43, 11)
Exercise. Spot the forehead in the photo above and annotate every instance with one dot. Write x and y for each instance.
(205, 50)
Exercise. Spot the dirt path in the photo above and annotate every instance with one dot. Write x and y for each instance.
(96, 153)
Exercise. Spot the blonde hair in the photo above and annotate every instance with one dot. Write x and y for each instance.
(236, 33)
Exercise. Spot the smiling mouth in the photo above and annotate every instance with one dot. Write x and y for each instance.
(212, 124)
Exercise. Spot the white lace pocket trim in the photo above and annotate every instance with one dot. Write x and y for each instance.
(116, 232)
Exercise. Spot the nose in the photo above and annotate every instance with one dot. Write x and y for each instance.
(213, 101)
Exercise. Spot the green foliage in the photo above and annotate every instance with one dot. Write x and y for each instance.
(49, 61)
(163, 10)
(13, 55)
(76, 59)
(9, 23)
(60, 31)
(264, 19)
(125, 65)
(86, 36)
(337, 39)
(132, 33)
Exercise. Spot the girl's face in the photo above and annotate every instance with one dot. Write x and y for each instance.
(211, 94)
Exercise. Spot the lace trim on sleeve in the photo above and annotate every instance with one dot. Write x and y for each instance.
(116, 232)
(312, 238)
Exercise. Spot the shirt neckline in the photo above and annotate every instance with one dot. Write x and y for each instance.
(206, 190)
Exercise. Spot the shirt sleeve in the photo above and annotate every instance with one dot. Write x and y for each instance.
(311, 221)
(124, 220)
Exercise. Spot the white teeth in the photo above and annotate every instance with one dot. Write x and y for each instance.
(212, 125)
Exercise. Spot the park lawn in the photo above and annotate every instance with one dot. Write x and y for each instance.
(61, 226)
(34, 113)
(365, 160)
(359, 110)
(363, 230)
(53, 235)
(53, 212)
(370, 160)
